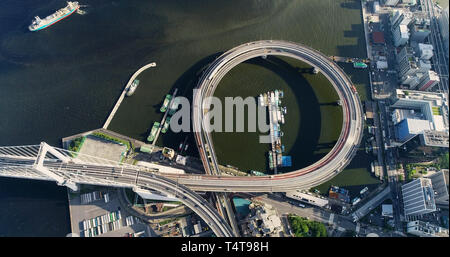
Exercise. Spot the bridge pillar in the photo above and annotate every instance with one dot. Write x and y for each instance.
(39, 166)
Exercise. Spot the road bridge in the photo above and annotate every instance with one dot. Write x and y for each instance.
(315, 174)
(324, 169)
(61, 166)
(24, 161)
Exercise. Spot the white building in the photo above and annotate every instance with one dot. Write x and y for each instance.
(376, 7)
(428, 81)
(264, 222)
(409, 2)
(425, 229)
(387, 210)
(424, 51)
(409, 64)
(310, 199)
(400, 17)
(401, 35)
(412, 81)
(430, 106)
(439, 181)
(401, 114)
(391, 2)
(382, 65)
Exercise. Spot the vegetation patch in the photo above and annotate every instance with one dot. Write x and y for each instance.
(113, 139)
(76, 144)
(443, 161)
(413, 170)
(305, 228)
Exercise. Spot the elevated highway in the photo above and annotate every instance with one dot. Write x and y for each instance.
(125, 176)
(327, 167)
(324, 169)
(62, 166)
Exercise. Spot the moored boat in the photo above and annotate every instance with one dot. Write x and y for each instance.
(133, 87)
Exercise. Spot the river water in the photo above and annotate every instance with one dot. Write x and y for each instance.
(65, 79)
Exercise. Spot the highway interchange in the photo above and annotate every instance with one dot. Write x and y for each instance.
(182, 185)
(125, 177)
(330, 165)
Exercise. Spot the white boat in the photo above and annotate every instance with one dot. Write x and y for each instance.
(133, 87)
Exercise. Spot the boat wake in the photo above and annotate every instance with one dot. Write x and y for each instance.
(82, 12)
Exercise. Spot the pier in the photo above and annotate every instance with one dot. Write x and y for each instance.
(272, 121)
(276, 115)
(348, 59)
(165, 115)
(122, 96)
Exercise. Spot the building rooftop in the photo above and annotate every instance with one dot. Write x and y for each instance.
(426, 229)
(387, 210)
(439, 181)
(433, 105)
(435, 138)
(418, 197)
(378, 37)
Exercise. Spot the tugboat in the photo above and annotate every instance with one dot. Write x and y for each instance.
(166, 125)
(166, 103)
(271, 166)
(133, 87)
(152, 134)
(359, 65)
(174, 107)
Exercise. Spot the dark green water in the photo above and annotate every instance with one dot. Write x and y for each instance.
(312, 123)
(66, 79)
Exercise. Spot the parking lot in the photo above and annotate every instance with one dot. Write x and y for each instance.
(94, 208)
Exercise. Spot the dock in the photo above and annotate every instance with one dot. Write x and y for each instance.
(276, 115)
(272, 121)
(348, 59)
(122, 96)
(165, 116)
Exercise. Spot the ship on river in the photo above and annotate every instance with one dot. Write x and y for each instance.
(153, 132)
(166, 103)
(133, 87)
(62, 13)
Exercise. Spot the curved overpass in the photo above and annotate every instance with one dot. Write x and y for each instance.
(125, 176)
(324, 169)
